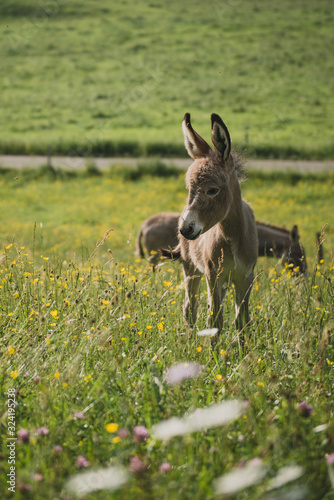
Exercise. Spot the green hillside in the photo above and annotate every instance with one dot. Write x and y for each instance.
(107, 78)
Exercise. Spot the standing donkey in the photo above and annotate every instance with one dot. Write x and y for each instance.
(160, 232)
(218, 236)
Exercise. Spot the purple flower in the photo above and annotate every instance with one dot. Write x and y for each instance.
(82, 462)
(24, 487)
(165, 467)
(123, 433)
(79, 414)
(42, 431)
(330, 459)
(23, 435)
(305, 409)
(38, 477)
(57, 448)
(136, 465)
(140, 433)
(37, 379)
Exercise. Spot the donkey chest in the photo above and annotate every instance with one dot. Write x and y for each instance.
(216, 256)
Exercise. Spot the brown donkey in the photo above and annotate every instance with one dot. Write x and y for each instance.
(218, 236)
(277, 241)
(160, 232)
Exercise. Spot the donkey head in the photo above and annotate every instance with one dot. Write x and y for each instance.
(296, 254)
(209, 178)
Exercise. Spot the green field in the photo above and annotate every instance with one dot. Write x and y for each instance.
(89, 333)
(100, 78)
(66, 214)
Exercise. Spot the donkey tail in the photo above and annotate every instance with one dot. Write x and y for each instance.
(171, 253)
(139, 246)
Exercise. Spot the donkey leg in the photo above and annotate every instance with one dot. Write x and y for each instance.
(216, 294)
(192, 283)
(242, 300)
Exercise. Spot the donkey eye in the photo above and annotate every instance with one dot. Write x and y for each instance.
(213, 192)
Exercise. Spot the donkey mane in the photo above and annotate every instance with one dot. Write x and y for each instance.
(283, 229)
(239, 164)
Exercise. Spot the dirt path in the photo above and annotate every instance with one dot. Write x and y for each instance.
(78, 163)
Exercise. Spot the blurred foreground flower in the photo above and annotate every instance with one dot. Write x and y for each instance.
(38, 477)
(123, 433)
(24, 487)
(140, 433)
(208, 332)
(306, 410)
(181, 371)
(201, 418)
(79, 414)
(136, 465)
(286, 475)
(111, 478)
(42, 431)
(23, 436)
(111, 427)
(165, 467)
(240, 478)
(82, 462)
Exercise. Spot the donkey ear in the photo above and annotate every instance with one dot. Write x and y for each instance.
(220, 137)
(196, 146)
(294, 233)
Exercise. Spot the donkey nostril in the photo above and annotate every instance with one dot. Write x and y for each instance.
(187, 230)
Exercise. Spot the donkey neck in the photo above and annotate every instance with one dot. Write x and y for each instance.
(232, 225)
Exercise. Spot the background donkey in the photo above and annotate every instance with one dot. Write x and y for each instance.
(160, 233)
(218, 234)
(277, 241)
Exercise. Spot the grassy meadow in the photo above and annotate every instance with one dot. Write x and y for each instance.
(99, 78)
(90, 333)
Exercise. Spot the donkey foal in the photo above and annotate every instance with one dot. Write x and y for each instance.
(218, 236)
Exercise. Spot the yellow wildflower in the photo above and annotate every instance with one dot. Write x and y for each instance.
(112, 427)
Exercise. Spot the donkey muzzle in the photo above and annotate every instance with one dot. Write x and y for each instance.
(190, 230)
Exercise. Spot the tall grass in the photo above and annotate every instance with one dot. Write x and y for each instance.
(87, 348)
(89, 334)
